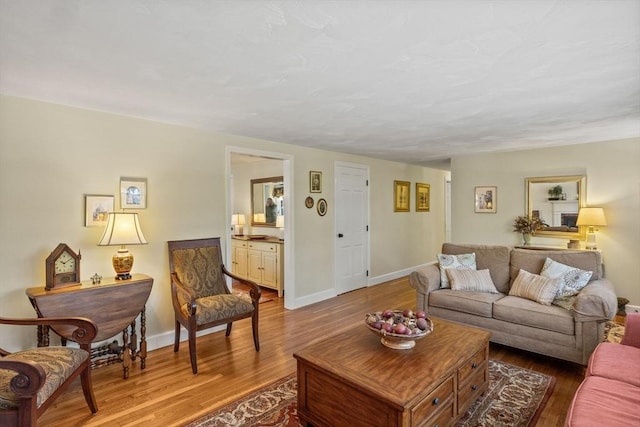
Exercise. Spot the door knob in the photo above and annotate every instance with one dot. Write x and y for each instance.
(340, 235)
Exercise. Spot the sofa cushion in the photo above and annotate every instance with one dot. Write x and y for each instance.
(495, 258)
(616, 362)
(471, 280)
(459, 262)
(532, 261)
(573, 279)
(478, 303)
(540, 289)
(604, 402)
(525, 312)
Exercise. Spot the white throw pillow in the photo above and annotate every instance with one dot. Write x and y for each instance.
(536, 288)
(459, 262)
(573, 279)
(471, 280)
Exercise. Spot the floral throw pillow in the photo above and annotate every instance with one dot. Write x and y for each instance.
(573, 279)
(458, 262)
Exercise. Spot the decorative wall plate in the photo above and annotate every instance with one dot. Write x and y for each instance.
(322, 207)
(308, 202)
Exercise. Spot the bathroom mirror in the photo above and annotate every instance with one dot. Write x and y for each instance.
(556, 199)
(267, 201)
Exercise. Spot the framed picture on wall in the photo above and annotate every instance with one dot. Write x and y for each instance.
(423, 197)
(401, 196)
(315, 182)
(96, 210)
(133, 193)
(486, 199)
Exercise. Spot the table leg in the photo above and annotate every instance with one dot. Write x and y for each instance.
(133, 341)
(143, 338)
(43, 336)
(126, 353)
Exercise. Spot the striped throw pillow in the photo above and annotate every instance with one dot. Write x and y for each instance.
(536, 288)
(471, 280)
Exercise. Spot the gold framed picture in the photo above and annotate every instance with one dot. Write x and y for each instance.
(423, 195)
(401, 196)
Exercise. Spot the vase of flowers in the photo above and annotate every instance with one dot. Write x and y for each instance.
(527, 226)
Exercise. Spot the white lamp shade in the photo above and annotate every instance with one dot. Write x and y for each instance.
(238, 219)
(259, 217)
(591, 217)
(123, 228)
(280, 221)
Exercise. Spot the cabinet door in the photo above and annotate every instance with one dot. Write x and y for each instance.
(270, 269)
(240, 262)
(255, 265)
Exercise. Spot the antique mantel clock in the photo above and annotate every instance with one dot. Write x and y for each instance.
(62, 268)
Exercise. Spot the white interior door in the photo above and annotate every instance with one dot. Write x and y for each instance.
(352, 223)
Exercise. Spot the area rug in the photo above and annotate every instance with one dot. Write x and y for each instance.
(613, 332)
(515, 398)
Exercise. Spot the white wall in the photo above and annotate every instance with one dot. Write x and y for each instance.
(613, 182)
(52, 155)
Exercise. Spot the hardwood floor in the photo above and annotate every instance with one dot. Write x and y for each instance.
(166, 393)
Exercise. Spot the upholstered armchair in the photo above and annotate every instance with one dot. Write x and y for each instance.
(200, 296)
(31, 380)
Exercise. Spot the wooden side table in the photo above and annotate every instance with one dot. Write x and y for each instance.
(113, 305)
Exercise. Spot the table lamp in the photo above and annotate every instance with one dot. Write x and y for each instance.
(591, 217)
(259, 217)
(238, 221)
(123, 228)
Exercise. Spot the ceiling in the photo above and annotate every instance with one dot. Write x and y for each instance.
(411, 81)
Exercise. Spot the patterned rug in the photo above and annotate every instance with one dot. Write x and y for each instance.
(613, 332)
(515, 398)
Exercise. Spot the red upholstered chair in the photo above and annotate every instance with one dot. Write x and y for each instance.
(199, 292)
(31, 380)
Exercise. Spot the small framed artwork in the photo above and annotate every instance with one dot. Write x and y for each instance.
(486, 199)
(308, 202)
(96, 210)
(322, 207)
(133, 193)
(423, 194)
(401, 196)
(315, 182)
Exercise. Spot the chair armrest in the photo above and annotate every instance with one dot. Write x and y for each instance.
(596, 301)
(255, 292)
(182, 295)
(632, 330)
(425, 280)
(85, 332)
(29, 378)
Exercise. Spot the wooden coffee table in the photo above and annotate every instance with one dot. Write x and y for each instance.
(352, 379)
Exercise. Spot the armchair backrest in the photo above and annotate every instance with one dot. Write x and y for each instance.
(198, 265)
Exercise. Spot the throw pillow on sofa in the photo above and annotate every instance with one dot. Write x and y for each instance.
(573, 279)
(471, 280)
(458, 262)
(540, 289)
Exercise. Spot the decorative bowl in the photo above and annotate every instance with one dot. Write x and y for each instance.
(395, 340)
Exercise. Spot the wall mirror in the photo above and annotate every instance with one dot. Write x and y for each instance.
(556, 200)
(267, 201)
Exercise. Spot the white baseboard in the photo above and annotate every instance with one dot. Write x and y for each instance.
(632, 309)
(395, 274)
(165, 339)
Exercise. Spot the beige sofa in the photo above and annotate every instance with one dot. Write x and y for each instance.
(518, 322)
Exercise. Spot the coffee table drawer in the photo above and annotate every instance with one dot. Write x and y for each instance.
(439, 399)
(471, 389)
(471, 366)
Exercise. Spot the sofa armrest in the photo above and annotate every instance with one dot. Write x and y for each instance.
(632, 330)
(596, 301)
(425, 280)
